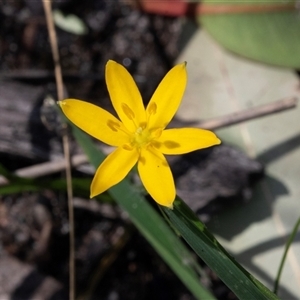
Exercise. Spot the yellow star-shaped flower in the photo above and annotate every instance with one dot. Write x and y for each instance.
(139, 134)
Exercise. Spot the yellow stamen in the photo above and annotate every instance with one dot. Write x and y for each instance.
(152, 108)
(128, 111)
(128, 147)
(114, 126)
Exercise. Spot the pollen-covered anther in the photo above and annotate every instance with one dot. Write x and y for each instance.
(152, 108)
(114, 126)
(128, 111)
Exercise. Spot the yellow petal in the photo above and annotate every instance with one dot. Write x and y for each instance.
(156, 176)
(96, 121)
(113, 169)
(125, 96)
(167, 97)
(184, 140)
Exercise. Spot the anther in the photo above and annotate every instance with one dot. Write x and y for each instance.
(114, 126)
(152, 108)
(127, 111)
(127, 147)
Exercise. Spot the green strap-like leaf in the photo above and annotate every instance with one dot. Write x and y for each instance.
(243, 284)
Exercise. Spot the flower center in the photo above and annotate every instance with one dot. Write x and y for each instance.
(141, 137)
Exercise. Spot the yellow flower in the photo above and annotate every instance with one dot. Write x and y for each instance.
(139, 134)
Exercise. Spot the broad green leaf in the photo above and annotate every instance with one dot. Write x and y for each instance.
(270, 37)
(150, 224)
(243, 284)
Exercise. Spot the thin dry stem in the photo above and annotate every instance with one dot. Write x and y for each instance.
(60, 96)
(248, 114)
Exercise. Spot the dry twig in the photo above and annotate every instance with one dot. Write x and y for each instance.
(248, 114)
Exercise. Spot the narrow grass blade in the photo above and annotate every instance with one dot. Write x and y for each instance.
(287, 247)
